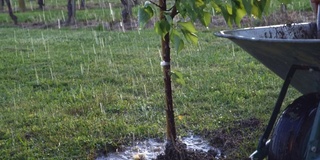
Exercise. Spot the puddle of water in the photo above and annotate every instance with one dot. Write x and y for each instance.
(196, 143)
(151, 148)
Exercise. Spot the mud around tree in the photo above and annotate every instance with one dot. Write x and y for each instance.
(226, 139)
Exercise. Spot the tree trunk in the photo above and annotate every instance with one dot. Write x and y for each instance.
(13, 17)
(1, 5)
(127, 10)
(83, 4)
(41, 4)
(22, 5)
(283, 8)
(71, 12)
(165, 51)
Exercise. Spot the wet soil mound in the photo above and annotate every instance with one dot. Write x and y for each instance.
(179, 151)
(227, 140)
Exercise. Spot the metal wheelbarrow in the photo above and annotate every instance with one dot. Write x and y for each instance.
(292, 51)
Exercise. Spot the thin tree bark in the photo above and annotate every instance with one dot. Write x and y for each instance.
(22, 5)
(165, 49)
(71, 12)
(127, 9)
(83, 4)
(41, 4)
(1, 5)
(13, 17)
(283, 8)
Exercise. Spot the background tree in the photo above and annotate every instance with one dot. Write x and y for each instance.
(176, 32)
(83, 4)
(10, 11)
(1, 5)
(283, 5)
(22, 5)
(41, 4)
(127, 9)
(71, 6)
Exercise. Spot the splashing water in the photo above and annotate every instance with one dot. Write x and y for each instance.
(151, 148)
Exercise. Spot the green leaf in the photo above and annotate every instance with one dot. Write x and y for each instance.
(216, 7)
(260, 6)
(181, 8)
(144, 15)
(256, 12)
(226, 15)
(240, 13)
(247, 5)
(189, 31)
(162, 27)
(191, 37)
(187, 26)
(235, 10)
(178, 77)
(229, 9)
(205, 19)
(177, 40)
(239, 10)
(199, 3)
(265, 5)
(169, 18)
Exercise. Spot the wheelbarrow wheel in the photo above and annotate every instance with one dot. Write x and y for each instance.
(291, 133)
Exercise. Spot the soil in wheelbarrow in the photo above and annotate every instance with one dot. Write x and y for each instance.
(226, 141)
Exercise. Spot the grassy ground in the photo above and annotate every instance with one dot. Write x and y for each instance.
(71, 94)
(74, 94)
(56, 10)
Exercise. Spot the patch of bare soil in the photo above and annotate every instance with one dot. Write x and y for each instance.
(227, 139)
(179, 151)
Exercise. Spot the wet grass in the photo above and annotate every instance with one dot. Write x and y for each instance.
(74, 94)
(84, 88)
(57, 11)
(79, 93)
(295, 5)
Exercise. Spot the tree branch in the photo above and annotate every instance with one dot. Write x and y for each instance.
(156, 5)
(173, 8)
(174, 11)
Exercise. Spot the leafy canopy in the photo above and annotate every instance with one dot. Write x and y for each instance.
(190, 11)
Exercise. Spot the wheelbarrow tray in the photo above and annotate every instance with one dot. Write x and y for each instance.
(279, 47)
